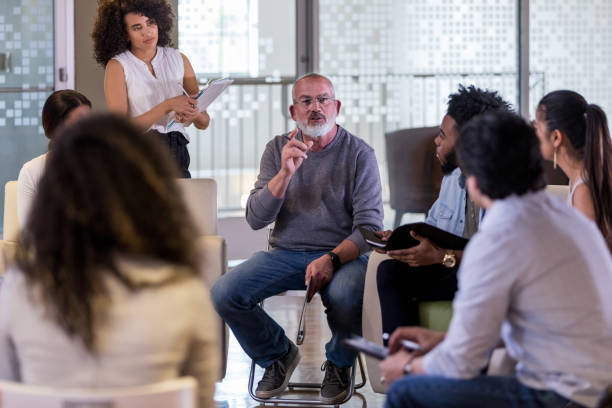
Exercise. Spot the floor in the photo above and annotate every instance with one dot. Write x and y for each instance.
(233, 391)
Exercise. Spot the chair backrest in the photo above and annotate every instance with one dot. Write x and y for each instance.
(554, 176)
(414, 172)
(177, 393)
(201, 199)
(561, 192)
(605, 399)
(11, 222)
(242, 240)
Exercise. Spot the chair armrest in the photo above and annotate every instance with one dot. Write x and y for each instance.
(7, 254)
(372, 319)
(213, 258)
(213, 263)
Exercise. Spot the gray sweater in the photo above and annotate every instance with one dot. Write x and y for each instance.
(333, 192)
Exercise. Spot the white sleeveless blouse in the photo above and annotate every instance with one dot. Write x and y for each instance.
(145, 91)
(570, 196)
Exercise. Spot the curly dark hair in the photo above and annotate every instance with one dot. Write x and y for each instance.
(471, 101)
(110, 33)
(503, 152)
(108, 190)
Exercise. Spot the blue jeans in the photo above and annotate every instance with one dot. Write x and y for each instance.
(236, 296)
(483, 391)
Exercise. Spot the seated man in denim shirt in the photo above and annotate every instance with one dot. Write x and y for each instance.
(427, 272)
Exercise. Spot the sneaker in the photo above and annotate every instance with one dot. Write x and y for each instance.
(276, 377)
(336, 383)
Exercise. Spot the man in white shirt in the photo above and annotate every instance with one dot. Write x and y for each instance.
(537, 275)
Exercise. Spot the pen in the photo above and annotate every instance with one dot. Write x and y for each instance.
(287, 135)
(187, 95)
(407, 344)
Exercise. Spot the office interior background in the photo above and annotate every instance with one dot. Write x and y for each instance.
(393, 63)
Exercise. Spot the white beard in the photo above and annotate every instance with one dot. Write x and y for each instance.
(317, 131)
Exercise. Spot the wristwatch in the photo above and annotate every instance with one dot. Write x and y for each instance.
(408, 368)
(335, 260)
(450, 259)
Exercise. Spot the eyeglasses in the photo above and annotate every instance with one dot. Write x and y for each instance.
(324, 101)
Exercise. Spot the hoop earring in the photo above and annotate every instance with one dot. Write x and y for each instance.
(555, 159)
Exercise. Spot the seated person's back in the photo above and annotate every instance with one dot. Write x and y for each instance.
(537, 275)
(61, 108)
(106, 292)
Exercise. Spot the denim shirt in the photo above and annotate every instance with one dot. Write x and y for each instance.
(448, 212)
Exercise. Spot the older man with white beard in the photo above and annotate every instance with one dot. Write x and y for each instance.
(318, 183)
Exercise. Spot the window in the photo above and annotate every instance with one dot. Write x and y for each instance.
(571, 48)
(394, 62)
(254, 43)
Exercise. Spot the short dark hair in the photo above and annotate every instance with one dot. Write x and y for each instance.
(471, 101)
(58, 106)
(503, 152)
(110, 33)
(104, 187)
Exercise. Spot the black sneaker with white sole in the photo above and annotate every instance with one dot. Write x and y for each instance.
(335, 384)
(276, 377)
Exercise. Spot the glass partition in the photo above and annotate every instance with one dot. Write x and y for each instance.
(26, 79)
(571, 47)
(252, 41)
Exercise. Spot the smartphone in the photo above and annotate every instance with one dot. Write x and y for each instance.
(366, 347)
(372, 238)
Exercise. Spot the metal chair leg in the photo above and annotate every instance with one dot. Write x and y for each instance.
(302, 401)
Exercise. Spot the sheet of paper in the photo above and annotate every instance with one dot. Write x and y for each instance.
(212, 92)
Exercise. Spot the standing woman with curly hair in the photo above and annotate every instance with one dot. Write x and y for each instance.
(145, 77)
(575, 135)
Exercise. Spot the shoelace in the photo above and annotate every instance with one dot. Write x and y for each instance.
(332, 374)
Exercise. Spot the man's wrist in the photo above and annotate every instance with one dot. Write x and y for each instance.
(335, 260)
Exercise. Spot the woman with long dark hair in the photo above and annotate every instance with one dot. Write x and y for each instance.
(61, 107)
(574, 134)
(146, 78)
(107, 289)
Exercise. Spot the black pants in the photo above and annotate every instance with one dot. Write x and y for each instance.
(177, 143)
(401, 288)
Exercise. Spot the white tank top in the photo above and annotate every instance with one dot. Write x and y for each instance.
(570, 196)
(145, 91)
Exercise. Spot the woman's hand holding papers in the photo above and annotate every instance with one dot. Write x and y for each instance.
(182, 106)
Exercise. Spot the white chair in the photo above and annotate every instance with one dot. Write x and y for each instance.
(200, 197)
(11, 225)
(561, 192)
(177, 393)
(371, 320)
